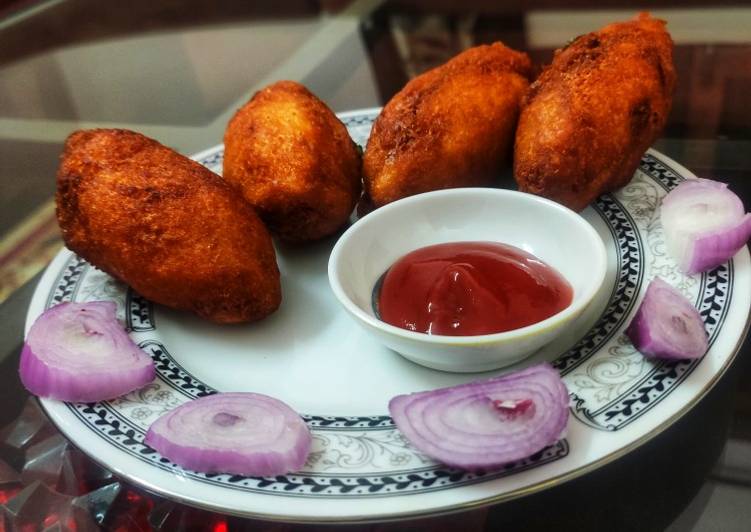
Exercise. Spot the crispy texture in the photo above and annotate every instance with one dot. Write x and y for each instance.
(165, 225)
(593, 112)
(452, 126)
(294, 162)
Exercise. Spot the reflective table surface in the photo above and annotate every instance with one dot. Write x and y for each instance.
(176, 71)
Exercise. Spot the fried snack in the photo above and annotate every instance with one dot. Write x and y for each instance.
(165, 225)
(294, 162)
(592, 113)
(452, 126)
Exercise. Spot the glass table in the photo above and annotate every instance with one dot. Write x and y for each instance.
(177, 71)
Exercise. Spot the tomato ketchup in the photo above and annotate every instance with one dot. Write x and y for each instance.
(470, 288)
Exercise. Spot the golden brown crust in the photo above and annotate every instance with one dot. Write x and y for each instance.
(165, 225)
(592, 113)
(294, 161)
(452, 126)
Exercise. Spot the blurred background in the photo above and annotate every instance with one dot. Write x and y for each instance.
(177, 70)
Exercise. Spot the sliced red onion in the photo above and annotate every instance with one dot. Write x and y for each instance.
(667, 325)
(79, 352)
(240, 433)
(485, 424)
(705, 224)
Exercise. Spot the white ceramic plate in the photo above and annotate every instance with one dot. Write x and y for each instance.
(312, 356)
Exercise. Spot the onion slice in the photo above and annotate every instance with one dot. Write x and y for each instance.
(239, 433)
(79, 352)
(485, 424)
(667, 325)
(705, 224)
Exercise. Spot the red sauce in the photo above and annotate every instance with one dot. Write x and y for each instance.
(469, 288)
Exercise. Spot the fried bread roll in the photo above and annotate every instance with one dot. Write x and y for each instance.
(589, 117)
(294, 162)
(165, 225)
(452, 126)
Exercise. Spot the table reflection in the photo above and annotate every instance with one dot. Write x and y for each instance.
(177, 71)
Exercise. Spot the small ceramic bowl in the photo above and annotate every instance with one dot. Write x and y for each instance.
(551, 232)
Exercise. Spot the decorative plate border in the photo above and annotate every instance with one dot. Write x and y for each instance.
(129, 439)
(357, 432)
(640, 394)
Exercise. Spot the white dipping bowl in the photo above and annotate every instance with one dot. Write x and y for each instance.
(553, 233)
